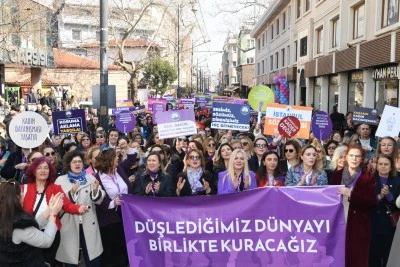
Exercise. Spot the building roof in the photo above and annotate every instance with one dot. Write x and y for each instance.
(128, 43)
(68, 60)
(268, 14)
(25, 79)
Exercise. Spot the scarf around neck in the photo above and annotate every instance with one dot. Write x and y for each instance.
(347, 179)
(74, 178)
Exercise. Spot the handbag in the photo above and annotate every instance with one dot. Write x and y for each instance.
(394, 216)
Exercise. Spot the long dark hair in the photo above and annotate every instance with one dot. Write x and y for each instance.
(262, 171)
(105, 160)
(10, 206)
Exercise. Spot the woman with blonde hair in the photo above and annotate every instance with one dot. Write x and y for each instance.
(237, 177)
(322, 161)
(247, 146)
(338, 160)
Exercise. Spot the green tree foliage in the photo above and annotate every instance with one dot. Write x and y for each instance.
(159, 74)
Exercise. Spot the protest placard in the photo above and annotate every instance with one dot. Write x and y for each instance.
(230, 116)
(275, 112)
(176, 123)
(321, 125)
(28, 129)
(365, 115)
(70, 121)
(389, 124)
(289, 126)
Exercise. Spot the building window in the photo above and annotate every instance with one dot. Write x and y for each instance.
(76, 35)
(283, 56)
(277, 26)
(271, 63)
(258, 44)
(263, 40)
(303, 46)
(335, 32)
(234, 64)
(258, 68)
(356, 90)
(234, 80)
(320, 39)
(234, 49)
(358, 23)
(276, 60)
(289, 15)
(333, 92)
(298, 9)
(295, 51)
(250, 43)
(307, 7)
(272, 31)
(250, 60)
(386, 93)
(390, 12)
(263, 67)
(288, 54)
(284, 20)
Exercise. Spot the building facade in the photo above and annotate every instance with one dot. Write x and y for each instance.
(341, 52)
(229, 61)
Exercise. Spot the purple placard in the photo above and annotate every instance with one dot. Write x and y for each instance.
(118, 110)
(151, 101)
(365, 115)
(70, 121)
(306, 229)
(321, 125)
(176, 123)
(156, 108)
(125, 122)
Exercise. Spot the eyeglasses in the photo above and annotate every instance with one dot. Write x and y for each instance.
(48, 154)
(208, 131)
(99, 136)
(261, 145)
(245, 143)
(318, 151)
(194, 157)
(211, 145)
(85, 139)
(289, 150)
(76, 162)
(181, 139)
(331, 147)
(354, 156)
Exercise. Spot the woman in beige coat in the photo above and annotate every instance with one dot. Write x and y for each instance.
(81, 230)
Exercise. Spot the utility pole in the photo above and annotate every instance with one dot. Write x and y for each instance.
(103, 62)
(179, 51)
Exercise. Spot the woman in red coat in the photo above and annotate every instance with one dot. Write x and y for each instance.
(40, 176)
(359, 190)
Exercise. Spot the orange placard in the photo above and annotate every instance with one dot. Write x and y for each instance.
(276, 112)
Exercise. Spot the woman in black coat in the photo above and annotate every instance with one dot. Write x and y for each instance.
(387, 191)
(195, 180)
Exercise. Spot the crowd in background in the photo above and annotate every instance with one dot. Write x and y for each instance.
(72, 184)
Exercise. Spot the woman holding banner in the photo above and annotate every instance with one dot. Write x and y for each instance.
(115, 182)
(268, 174)
(307, 172)
(237, 177)
(195, 180)
(359, 199)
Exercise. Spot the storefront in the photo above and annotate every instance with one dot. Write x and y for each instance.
(356, 90)
(386, 87)
(333, 92)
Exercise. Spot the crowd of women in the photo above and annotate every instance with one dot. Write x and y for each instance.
(65, 196)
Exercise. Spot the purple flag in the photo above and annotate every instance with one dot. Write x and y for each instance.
(272, 226)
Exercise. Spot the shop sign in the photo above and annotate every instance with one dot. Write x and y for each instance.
(29, 57)
(357, 76)
(386, 73)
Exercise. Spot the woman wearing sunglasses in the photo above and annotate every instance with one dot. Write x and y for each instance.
(195, 180)
(85, 142)
(51, 155)
(291, 151)
(180, 148)
(100, 139)
(21, 240)
(247, 146)
(209, 149)
(237, 177)
(260, 147)
(268, 174)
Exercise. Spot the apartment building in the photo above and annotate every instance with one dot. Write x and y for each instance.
(245, 59)
(229, 61)
(335, 52)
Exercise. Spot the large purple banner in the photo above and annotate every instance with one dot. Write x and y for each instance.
(274, 226)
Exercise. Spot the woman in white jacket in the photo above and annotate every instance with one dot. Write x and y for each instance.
(80, 230)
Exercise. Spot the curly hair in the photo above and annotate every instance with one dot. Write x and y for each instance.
(30, 172)
(68, 158)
